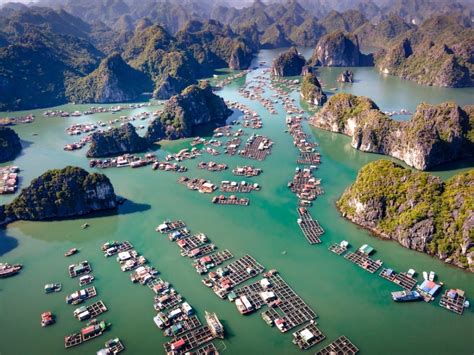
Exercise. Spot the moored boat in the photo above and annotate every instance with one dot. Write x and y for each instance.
(53, 287)
(71, 252)
(7, 270)
(406, 296)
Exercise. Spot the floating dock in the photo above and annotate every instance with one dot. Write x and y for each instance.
(305, 185)
(401, 279)
(79, 269)
(201, 251)
(288, 309)
(309, 226)
(338, 249)
(167, 301)
(341, 346)
(232, 145)
(170, 226)
(208, 349)
(231, 200)
(190, 340)
(186, 325)
(257, 147)
(97, 308)
(242, 187)
(364, 261)
(93, 330)
(309, 158)
(454, 301)
(308, 336)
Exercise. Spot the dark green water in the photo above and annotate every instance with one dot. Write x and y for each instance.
(347, 299)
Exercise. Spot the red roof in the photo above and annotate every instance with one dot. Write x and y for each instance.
(178, 344)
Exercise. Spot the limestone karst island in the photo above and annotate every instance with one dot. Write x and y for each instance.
(242, 177)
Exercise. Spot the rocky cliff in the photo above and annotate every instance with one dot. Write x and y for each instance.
(117, 141)
(434, 135)
(113, 81)
(416, 209)
(196, 105)
(289, 63)
(311, 90)
(438, 53)
(10, 145)
(339, 49)
(346, 76)
(68, 192)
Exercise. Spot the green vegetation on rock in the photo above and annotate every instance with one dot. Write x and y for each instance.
(62, 193)
(119, 140)
(311, 90)
(288, 63)
(10, 145)
(418, 210)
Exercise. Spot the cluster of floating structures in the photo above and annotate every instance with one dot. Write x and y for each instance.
(93, 110)
(11, 121)
(453, 299)
(286, 310)
(226, 131)
(212, 166)
(305, 185)
(257, 147)
(254, 90)
(8, 179)
(226, 81)
(196, 184)
(184, 154)
(232, 145)
(126, 160)
(247, 171)
(230, 200)
(167, 166)
(242, 186)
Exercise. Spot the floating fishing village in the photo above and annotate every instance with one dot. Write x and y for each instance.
(243, 283)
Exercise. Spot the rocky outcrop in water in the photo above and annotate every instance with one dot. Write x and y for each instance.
(197, 105)
(347, 76)
(10, 145)
(113, 81)
(311, 90)
(339, 49)
(117, 141)
(418, 210)
(289, 63)
(63, 193)
(435, 134)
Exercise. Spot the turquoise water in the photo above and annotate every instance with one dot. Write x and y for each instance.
(348, 300)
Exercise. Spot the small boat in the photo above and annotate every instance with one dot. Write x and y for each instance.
(411, 272)
(71, 252)
(54, 287)
(47, 318)
(86, 280)
(466, 304)
(85, 225)
(7, 270)
(432, 276)
(425, 275)
(405, 296)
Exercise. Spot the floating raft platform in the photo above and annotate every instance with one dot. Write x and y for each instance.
(190, 340)
(114, 346)
(201, 251)
(79, 269)
(294, 311)
(454, 304)
(117, 247)
(338, 249)
(242, 187)
(192, 242)
(308, 336)
(79, 338)
(97, 308)
(257, 147)
(231, 200)
(186, 325)
(207, 349)
(364, 261)
(172, 300)
(340, 346)
(401, 279)
(170, 226)
(232, 145)
(309, 226)
(309, 158)
(238, 269)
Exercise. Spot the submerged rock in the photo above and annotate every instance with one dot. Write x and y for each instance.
(418, 210)
(311, 90)
(10, 145)
(434, 135)
(196, 105)
(61, 193)
(117, 141)
(289, 63)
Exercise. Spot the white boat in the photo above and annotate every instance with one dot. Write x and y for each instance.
(466, 304)
(432, 276)
(425, 275)
(411, 272)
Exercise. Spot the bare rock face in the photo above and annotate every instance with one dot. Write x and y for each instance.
(347, 76)
(289, 63)
(418, 210)
(338, 49)
(196, 105)
(436, 134)
(63, 193)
